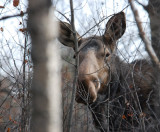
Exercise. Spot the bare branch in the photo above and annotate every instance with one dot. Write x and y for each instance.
(145, 7)
(143, 36)
(16, 15)
(76, 67)
(63, 16)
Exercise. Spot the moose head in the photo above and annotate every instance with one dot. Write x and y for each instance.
(95, 57)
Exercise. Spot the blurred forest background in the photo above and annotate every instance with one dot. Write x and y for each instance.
(16, 68)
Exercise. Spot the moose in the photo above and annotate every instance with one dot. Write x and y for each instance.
(121, 96)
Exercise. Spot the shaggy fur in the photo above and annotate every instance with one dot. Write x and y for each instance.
(121, 96)
(133, 99)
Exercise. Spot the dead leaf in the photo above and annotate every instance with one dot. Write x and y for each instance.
(123, 117)
(10, 118)
(28, 51)
(15, 122)
(1, 29)
(1, 6)
(22, 13)
(131, 114)
(9, 129)
(131, 86)
(15, 3)
(23, 30)
(25, 61)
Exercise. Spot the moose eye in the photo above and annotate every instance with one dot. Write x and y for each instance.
(107, 55)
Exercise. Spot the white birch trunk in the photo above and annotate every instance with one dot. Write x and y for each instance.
(46, 89)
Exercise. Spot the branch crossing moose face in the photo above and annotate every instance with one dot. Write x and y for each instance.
(130, 88)
(95, 57)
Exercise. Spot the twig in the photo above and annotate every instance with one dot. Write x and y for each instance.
(63, 16)
(145, 7)
(147, 102)
(68, 61)
(23, 118)
(94, 27)
(100, 22)
(16, 15)
(143, 36)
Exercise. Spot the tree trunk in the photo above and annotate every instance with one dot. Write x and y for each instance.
(46, 91)
(153, 9)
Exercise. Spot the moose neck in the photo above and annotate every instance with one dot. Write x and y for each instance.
(119, 69)
(119, 73)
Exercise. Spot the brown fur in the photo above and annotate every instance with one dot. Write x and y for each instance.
(126, 108)
(130, 88)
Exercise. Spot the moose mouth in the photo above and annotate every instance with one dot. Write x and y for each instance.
(85, 98)
(100, 98)
(87, 92)
(81, 100)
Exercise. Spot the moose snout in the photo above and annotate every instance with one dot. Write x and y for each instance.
(87, 89)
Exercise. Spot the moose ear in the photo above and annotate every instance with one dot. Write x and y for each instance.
(66, 35)
(115, 27)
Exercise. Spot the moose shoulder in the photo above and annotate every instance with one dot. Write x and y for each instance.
(121, 96)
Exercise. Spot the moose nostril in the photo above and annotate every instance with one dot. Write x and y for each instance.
(96, 83)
